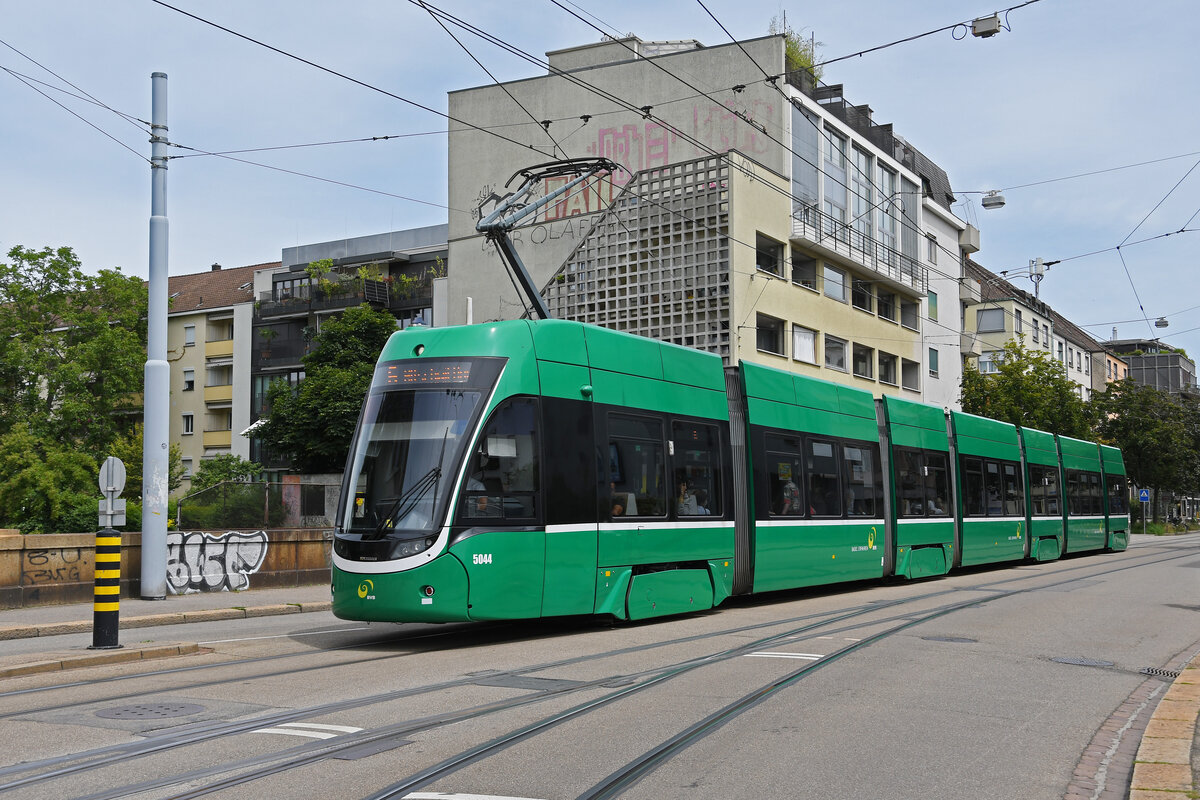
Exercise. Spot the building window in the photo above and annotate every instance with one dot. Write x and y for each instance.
(1061, 360)
(770, 334)
(887, 368)
(835, 283)
(804, 344)
(862, 193)
(1046, 336)
(187, 467)
(933, 312)
(989, 319)
(189, 335)
(910, 314)
(835, 151)
(188, 424)
(989, 361)
(861, 295)
(768, 255)
(1087, 366)
(933, 362)
(931, 248)
(1018, 324)
(887, 213)
(864, 362)
(189, 380)
(804, 272)
(886, 302)
(910, 374)
(1034, 326)
(835, 353)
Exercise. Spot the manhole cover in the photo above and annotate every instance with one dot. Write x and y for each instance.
(959, 639)
(150, 711)
(1083, 662)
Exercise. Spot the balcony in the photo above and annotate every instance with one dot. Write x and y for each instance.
(219, 394)
(218, 438)
(830, 237)
(343, 294)
(219, 349)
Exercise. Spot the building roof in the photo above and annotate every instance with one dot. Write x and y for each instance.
(216, 288)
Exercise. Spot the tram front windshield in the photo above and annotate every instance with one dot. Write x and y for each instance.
(408, 444)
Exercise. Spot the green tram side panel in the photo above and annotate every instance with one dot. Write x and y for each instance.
(1045, 533)
(987, 541)
(1083, 533)
(1113, 462)
(816, 552)
(1040, 447)
(989, 438)
(812, 552)
(914, 424)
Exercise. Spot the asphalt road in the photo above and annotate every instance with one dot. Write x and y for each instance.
(987, 684)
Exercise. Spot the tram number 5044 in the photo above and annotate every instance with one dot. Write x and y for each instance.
(481, 558)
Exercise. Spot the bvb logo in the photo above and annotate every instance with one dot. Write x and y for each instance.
(365, 588)
(871, 538)
(1018, 530)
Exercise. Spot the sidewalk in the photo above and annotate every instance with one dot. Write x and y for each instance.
(47, 621)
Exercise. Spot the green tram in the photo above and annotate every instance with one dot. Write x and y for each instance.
(540, 468)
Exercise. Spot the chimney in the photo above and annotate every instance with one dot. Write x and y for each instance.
(216, 267)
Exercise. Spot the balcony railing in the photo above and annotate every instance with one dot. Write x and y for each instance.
(858, 248)
(343, 294)
(218, 349)
(218, 394)
(218, 438)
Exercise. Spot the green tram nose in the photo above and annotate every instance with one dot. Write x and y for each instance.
(433, 592)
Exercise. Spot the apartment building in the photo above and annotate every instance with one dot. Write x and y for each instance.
(994, 312)
(762, 218)
(208, 347)
(1153, 363)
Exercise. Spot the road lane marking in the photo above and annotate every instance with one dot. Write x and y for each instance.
(804, 656)
(311, 730)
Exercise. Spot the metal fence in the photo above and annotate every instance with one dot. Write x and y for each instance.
(236, 505)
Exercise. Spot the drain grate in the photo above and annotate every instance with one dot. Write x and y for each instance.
(956, 639)
(150, 711)
(1082, 662)
(1158, 672)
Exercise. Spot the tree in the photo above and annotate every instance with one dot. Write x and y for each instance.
(42, 481)
(1156, 433)
(1029, 389)
(312, 423)
(72, 347)
(225, 467)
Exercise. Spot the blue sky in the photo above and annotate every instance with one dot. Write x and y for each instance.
(1074, 87)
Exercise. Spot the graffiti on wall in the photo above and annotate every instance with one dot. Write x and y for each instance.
(202, 562)
(60, 565)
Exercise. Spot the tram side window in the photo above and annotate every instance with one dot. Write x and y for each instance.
(974, 504)
(784, 476)
(1014, 500)
(1118, 495)
(861, 478)
(995, 488)
(937, 484)
(823, 497)
(1043, 491)
(637, 468)
(697, 469)
(1095, 499)
(910, 483)
(503, 480)
(1074, 493)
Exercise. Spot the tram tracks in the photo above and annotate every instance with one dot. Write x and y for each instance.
(257, 767)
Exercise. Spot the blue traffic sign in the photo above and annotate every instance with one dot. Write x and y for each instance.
(1144, 495)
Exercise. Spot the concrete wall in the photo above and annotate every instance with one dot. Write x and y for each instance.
(47, 569)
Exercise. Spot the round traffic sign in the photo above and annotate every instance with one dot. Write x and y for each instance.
(112, 475)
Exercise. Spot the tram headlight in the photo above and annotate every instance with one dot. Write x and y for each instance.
(411, 547)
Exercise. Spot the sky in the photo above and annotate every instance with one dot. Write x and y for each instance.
(1068, 87)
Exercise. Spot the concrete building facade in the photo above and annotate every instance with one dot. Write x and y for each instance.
(761, 218)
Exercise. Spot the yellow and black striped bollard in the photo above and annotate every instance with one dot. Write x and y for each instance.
(106, 602)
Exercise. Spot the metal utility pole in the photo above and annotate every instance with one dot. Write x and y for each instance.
(157, 400)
